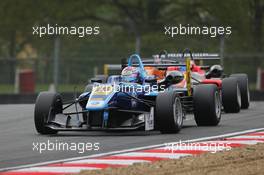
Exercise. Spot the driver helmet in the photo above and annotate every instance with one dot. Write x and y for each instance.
(216, 71)
(130, 74)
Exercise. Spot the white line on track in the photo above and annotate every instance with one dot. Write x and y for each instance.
(162, 155)
(109, 161)
(56, 169)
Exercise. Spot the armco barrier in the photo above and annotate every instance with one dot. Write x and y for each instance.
(257, 95)
(30, 98)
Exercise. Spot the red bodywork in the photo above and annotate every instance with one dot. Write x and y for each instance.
(161, 74)
(199, 70)
(217, 82)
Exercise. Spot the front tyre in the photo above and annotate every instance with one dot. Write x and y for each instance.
(47, 106)
(207, 105)
(169, 112)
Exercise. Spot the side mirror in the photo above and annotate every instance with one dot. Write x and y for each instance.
(174, 77)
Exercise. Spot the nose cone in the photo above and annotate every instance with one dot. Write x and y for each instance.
(100, 97)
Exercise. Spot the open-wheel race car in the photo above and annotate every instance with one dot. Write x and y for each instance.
(130, 101)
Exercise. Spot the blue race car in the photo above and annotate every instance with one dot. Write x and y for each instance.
(130, 101)
(133, 100)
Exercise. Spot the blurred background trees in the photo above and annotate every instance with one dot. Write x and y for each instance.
(126, 27)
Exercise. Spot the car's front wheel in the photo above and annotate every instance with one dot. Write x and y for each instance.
(169, 112)
(207, 105)
(47, 106)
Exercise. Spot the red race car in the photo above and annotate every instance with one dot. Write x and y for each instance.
(234, 88)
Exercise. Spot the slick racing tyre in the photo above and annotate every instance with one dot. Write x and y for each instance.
(244, 89)
(207, 105)
(168, 113)
(231, 97)
(47, 106)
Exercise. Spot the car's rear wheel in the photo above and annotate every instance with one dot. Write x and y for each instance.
(244, 89)
(231, 97)
(168, 113)
(47, 106)
(207, 105)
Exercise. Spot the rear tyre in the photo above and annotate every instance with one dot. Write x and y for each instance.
(47, 106)
(207, 105)
(244, 89)
(231, 97)
(168, 113)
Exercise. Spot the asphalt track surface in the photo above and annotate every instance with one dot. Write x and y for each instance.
(17, 135)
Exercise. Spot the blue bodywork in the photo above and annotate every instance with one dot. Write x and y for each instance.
(124, 98)
(117, 104)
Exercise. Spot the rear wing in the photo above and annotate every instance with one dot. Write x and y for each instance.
(194, 56)
(172, 59)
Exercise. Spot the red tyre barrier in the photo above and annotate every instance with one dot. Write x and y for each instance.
(27, 81)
